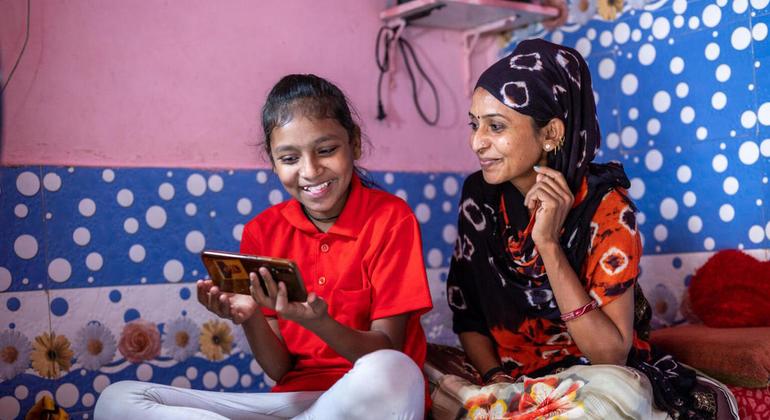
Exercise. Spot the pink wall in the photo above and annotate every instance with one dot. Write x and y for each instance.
(180, 83)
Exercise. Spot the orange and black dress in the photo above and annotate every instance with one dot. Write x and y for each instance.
(497, 285)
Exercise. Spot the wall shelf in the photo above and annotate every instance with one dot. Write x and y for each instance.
(474, 18)
(468, 15)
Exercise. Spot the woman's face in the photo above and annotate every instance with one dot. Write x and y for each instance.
(505, 142)
(314, 158)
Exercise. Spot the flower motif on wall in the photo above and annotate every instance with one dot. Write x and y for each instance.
(181, 338)
(609, 9)
(215, 339)
(14, 354)
(94, 346)
(581, 11)
(51, 355)
(139, 341)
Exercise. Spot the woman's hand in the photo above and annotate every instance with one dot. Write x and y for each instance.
(233, 306)
(501, 378)
(313, 309)
(551, 200)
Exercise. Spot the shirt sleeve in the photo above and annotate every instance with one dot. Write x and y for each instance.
(612, 265)
(462, 293)
(398, 274)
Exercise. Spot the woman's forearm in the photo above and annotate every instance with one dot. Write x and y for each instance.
(480, 350)
(595, 333)
(269, 350)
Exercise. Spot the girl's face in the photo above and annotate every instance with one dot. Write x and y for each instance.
(314, 158)
(505, 142)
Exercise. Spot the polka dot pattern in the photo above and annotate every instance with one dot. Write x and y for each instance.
(701, 110)
(698, 156)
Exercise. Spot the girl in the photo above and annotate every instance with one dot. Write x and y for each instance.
(339, 354)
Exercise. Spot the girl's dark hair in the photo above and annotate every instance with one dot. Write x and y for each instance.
(314, 97)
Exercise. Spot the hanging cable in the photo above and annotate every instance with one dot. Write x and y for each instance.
(23, 48)
(383, 64)
(385, 37)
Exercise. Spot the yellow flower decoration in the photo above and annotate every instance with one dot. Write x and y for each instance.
(609, 9)
(51, 355)
(216, 340)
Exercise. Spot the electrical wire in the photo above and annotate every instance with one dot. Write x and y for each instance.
(385, 37)
(21, 53)
(382, 64)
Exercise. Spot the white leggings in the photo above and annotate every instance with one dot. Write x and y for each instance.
(384, 384)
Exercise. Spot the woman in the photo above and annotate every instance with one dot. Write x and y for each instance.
(544, 275)
(337, 355)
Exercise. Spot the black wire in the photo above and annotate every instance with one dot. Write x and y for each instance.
(383, 65)
(385, 37)
(404, 46)
(23, 48)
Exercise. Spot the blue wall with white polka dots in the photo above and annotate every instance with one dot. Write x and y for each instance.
(86, 252)
(683, 100)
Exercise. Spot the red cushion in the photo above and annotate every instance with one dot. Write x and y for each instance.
(735, 356)
(732, 290)
(753, 404)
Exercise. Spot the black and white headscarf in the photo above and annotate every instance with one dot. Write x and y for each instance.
(545, 81)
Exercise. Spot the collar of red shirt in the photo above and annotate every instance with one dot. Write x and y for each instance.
(348, 224)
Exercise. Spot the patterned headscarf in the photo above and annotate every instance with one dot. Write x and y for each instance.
(544, 81)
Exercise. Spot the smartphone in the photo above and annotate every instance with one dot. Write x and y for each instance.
(230, 272)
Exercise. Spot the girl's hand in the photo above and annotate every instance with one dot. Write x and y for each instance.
(232, 306)
(551, 200)
(277, 299)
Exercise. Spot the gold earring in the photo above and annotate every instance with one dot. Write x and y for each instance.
(560, 144)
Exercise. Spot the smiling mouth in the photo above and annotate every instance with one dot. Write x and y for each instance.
(488, 162)
(314, 189)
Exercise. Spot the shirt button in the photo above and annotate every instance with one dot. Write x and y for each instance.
(322, 280)
(324, 247)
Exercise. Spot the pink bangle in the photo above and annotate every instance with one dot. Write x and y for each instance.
(577, 313)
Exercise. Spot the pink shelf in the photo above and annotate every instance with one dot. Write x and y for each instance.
(469, 14)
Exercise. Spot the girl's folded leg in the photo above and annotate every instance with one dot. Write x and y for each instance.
(148, 401)
(385, 384)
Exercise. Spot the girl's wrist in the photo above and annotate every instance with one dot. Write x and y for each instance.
(256, 318)
(314, 324)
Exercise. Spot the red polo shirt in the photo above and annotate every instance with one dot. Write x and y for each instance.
(369, 265)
